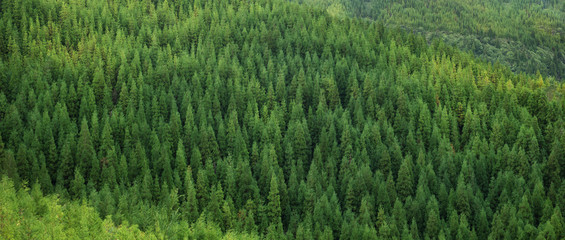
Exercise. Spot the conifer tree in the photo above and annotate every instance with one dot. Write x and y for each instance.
(405, 183)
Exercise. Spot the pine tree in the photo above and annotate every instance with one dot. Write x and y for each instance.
(248, 189)
(44, 177)
(213, 205)
(8, 163)
(77, 186)
(464, 231)
(165, 161)
(405, 183)
(482, 225)
(190, 208)
(424, 124)
(196, 160)
(462, 202)
(433, 224)
(391, 189)
(23, 160)
(66, 165)
(274, 205)
(122, 171)
(107, 202)
(552, 169)
(146, 187)
(99, 83)
(524, 211)
(180, 164)
(86, 157)
(558, 223)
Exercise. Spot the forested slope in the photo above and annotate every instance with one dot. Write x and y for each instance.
(271, 118)
(525, 35)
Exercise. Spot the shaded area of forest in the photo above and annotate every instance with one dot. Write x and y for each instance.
(525, 35)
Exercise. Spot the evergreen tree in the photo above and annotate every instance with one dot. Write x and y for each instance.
(77, 185)
(433, 223)
(274, 204)
(405, 184)
(86, 156)
(8, 163)
(190, 208)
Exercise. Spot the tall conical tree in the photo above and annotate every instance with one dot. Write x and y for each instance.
(248, 189)
(202, 189)
(8, 163)
(552, 170)
(66, 165)
(180, 164)
(77, 187)
(99, 83)
(86, 156)
(216, 201)
(433, 224)
(404, 184)
(44, 177)
(190, 206)
(274, 205)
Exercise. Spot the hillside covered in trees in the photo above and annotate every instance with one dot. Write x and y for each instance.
(265, 119)
(525, 35)
(27, 214)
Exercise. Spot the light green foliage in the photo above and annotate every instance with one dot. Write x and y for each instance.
(28, 215)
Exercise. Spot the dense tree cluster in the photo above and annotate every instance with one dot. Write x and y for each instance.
(525, 35)
(27, 214)
(268, 118)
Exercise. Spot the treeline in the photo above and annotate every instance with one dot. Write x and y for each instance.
(273, 119)
(525, 35)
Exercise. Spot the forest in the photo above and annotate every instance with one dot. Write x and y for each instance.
(525, 35)
(268, 119)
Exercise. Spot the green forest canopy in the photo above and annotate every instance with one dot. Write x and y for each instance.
(28, 214)
(525, 35)
(268, 118)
